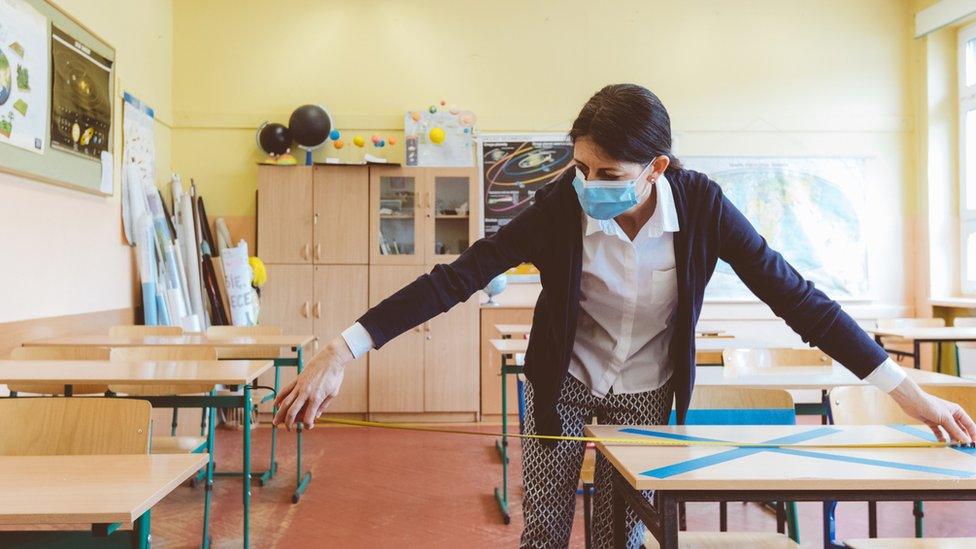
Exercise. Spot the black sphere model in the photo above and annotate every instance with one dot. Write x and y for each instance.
(274, 138)
(310, 125)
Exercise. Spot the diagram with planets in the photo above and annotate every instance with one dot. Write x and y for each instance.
(81, 97)
(23, 75)
(513, 167)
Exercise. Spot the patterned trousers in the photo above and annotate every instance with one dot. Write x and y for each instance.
(550, 473)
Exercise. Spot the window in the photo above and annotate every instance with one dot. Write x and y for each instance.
(967, 156)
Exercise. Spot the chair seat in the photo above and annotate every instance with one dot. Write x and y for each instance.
(911, 543)
(589, 467)
(177, 445)
(727, 540)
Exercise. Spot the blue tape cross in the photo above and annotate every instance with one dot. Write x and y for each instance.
(736, 453)
(929, 436)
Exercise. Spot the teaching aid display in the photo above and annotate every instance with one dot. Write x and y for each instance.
(81, 97)
(23, 76)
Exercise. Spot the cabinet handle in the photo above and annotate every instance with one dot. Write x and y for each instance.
(317, 310)
(318, 252)
(305, 309)
(427, 198)
(315, 219)
(306, 249)
(427, 329)
(418, 329)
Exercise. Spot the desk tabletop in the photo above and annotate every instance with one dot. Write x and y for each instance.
(186, 340)
(727, 468)
(149, 372)
(807, 377)
(508, 346)
(946, 333)
(89, 489)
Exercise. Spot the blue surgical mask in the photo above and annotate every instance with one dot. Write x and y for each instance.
(608, 199)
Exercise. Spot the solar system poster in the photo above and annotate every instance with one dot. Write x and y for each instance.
(23, 76)
(81, 97)
(513, 167)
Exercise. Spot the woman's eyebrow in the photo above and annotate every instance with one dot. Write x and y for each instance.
(580, 163)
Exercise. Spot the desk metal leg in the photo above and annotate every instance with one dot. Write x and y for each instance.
(208, 495)
(872, 519)
(918, 511)
(141, 531)
(273, 463)
(247, 464)
(302, 479)
(917, 353)
(501, 496)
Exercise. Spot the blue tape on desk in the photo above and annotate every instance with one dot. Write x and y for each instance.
(730, 416)
(957, 473)
(930, 436)
(668, 435)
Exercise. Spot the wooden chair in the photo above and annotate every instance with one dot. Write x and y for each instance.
(727, 540)
(900, 347)
(143, 331)
(73, 426)
(768, 358)
(911, 543)
(966, 322)
(866, 405)
(57, 353)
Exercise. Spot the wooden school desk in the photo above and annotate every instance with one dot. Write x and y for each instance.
(727, 473)
(919, 335)
(297, 343)
(103, 491)
(191, 373)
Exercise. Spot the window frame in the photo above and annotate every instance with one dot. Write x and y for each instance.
(966, 105)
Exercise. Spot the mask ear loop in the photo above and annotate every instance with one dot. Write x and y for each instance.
(648, 185)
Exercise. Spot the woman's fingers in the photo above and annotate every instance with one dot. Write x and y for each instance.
(937, 431)
(284, 391)
(283, 405)
(966, 422)
(955, 432)
(311, 407)
(324, 405)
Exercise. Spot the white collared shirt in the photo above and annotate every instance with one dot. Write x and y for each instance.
(628, 299)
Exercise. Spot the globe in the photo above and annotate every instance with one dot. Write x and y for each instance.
(495, 287)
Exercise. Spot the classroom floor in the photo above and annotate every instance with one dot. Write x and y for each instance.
(376, 488)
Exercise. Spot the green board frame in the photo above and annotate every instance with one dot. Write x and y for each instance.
(56, 166)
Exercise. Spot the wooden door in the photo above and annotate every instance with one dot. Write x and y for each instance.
(396, 372)
(452, 213)
(451, 372)
(286, 301)
(285, 214)
(341, 297)
(491, 391)
(396, 219)
(341, 215)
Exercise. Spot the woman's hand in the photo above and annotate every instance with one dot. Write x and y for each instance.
(935, 412)
(304, 399)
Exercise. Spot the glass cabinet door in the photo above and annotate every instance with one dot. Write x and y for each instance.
(396, 219)
(452, 226)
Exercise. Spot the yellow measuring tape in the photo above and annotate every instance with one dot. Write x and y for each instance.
(643, 441)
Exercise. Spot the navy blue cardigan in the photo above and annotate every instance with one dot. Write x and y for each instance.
(549, 234)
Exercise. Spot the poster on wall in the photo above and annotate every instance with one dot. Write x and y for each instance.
(23, 76)
(442, 138)
(81, 99)
(811, 210)
(138, 151)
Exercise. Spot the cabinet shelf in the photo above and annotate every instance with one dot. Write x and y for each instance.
(396, 216)
(446, 216)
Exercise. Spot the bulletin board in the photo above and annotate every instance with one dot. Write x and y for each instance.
(59, 94)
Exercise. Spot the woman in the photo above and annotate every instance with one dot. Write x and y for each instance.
(625, 246)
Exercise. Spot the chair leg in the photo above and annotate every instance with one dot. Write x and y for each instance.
(793, 521)
(919, 513)
(958, 364)
(587, 515)
(520, 388)
(682, 517)
(203, 421)
(208, 489)
(172, 427)
(723, 516)
(872, 519)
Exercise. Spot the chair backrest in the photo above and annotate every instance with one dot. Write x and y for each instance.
(739, 406)
(766, 358)
(58, 353)
(73, 426)
(867, 405)
(964, 321)
(243, 331)
(911, 323)
(162, 352)
(142, 331)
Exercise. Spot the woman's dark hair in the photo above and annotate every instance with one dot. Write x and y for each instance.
(628, 122)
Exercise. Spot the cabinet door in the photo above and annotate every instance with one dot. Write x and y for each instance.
(491, 381)
(286, 301)
(341, 215)
(341, 298)
(451, 373)
(396, 372)
(451, 209)
(285, 214)
(396, 216)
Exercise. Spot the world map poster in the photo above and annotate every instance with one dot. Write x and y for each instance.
(811, 210)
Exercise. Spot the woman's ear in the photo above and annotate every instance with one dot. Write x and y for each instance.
(658, 166)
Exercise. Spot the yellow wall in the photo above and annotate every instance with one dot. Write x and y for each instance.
(750, 77)
(62, 251)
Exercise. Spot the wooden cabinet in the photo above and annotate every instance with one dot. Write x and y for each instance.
(451, 381)
(285, 214)
(341, 225)
(340, 298)
(422, 216)
(396, 372)
(286, 301)
(491, 382)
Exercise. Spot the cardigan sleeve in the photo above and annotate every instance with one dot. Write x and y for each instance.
(807, 310)
(447, 285)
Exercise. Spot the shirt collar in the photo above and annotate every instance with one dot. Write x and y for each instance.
(664, 219)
